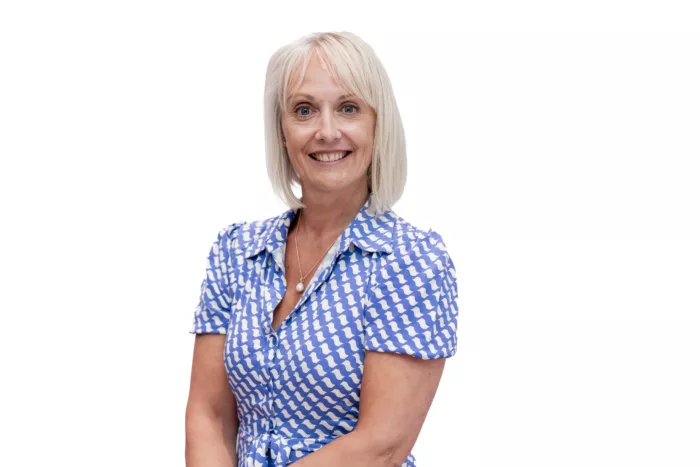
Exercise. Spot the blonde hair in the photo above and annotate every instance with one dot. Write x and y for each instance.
(356, 67)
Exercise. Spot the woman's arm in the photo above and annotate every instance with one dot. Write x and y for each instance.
(211, 421)
(396, 393)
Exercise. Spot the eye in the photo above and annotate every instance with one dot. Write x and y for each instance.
(305, 110)
(350, 106)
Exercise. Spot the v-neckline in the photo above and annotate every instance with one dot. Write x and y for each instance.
(312, 285)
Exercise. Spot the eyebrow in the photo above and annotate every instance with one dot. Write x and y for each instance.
(311, 98)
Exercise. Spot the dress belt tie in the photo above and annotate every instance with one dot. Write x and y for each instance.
(277, 447)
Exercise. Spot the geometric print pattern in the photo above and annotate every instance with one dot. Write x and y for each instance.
(384, 286)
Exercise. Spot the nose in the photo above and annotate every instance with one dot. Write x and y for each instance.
(328, 128)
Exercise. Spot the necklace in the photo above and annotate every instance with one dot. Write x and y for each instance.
(300, 286)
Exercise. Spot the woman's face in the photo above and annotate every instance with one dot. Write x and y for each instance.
(329, 136)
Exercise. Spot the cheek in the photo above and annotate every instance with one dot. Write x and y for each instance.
(294, 143)
(368, 142)
(292, 133)
(298, 139)
(368, 132)
(362, 134)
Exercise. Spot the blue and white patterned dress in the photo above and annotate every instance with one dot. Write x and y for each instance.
(384, 286)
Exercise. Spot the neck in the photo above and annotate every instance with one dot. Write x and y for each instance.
(327, 215)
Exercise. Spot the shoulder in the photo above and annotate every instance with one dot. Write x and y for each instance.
(244, 235)
(411, 241)
(411, 307)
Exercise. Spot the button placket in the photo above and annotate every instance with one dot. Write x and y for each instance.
(273, 341)
(271, 296)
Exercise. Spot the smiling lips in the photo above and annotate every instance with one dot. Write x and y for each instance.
(329, 156)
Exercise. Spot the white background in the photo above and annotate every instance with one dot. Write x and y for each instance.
(554, 145)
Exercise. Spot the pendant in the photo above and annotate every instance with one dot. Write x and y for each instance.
(300, 287)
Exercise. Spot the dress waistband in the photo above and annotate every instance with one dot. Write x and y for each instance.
(259, 448)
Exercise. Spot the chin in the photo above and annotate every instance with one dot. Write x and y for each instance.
(330, 184)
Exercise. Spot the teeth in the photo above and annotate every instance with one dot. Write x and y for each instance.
(329, 157)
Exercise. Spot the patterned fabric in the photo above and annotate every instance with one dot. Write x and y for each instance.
(384, 286)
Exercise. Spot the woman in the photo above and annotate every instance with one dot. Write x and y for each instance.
(300, 311)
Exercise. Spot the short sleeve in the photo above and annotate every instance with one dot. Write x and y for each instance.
(213, 312)
(412, 306)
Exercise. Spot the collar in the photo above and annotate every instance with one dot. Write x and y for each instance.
(370, 233)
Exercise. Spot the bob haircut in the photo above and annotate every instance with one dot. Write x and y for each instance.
(357, 69)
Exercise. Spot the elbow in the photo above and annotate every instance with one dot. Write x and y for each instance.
(393, 456)
(210, 439)
(385, 449)
(204, 424)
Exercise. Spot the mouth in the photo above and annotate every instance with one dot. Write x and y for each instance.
(328, 157)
